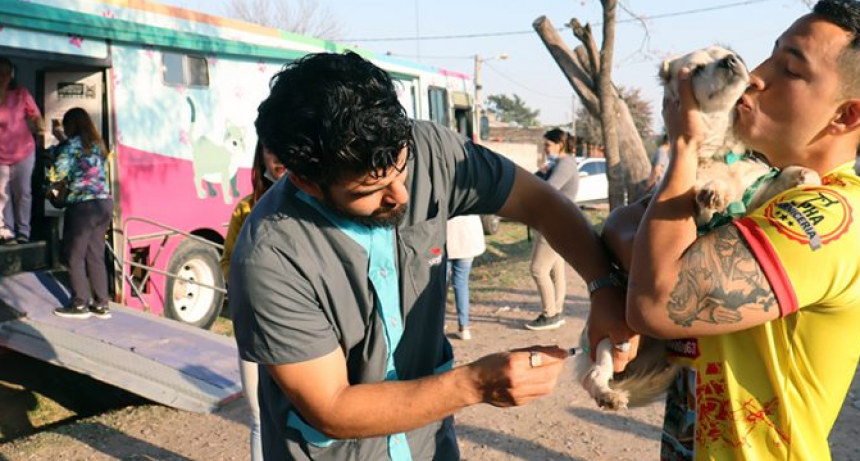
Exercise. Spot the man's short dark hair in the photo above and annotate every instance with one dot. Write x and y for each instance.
(330, 115)
(846, 15)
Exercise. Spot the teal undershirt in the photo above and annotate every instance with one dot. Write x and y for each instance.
(380, 245)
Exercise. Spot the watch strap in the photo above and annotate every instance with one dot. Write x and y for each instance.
(614, 279)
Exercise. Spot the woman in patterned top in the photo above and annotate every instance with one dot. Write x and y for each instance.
(82, 160)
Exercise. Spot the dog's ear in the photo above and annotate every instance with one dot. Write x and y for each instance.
(665, 73)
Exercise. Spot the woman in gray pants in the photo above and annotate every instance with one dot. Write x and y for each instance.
(82, 160)
(548, 267)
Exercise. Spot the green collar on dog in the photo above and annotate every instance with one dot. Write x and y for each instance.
(739, 208)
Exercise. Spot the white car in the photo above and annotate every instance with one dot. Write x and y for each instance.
(593, 186)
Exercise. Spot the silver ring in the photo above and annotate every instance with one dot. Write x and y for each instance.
(623, 346)
(535, 359)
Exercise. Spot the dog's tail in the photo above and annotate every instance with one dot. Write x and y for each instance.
(648, 384)
(193, 117)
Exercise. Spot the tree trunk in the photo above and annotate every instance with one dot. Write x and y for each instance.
(608, 108)
(634, 157)
(581, 68)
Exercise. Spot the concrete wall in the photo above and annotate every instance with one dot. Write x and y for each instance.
(524, 155)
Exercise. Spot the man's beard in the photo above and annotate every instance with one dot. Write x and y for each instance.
(388, 217)
(383, 218)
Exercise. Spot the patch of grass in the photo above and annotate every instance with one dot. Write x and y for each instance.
(505, 263)
(597, 217)
(223, 326)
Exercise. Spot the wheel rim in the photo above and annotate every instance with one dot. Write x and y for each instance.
(192, 302)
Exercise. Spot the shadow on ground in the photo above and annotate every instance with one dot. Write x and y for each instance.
(618, 422)
(506, 443)
(36, 395)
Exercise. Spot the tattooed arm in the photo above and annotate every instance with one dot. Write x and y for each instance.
(720, 288)
(681, 286)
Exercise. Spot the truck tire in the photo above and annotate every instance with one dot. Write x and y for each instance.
(188, 302)
(490, 222)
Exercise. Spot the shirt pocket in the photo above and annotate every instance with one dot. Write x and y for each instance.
(422, 258)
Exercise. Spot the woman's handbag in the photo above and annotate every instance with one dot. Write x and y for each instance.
(57, 193)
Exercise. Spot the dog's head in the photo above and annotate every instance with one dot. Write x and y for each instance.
(719, 75)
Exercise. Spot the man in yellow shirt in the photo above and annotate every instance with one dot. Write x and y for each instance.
(774, 298)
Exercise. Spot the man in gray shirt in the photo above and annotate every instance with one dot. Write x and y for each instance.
(337, 281)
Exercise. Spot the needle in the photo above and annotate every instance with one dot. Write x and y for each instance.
(573, 351)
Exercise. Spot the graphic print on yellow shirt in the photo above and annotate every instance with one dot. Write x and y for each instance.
(774, 391)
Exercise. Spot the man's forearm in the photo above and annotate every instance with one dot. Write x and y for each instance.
(391, 407)
(322, 395)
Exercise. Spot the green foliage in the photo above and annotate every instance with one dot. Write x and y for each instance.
(512, 110)
(588, 128)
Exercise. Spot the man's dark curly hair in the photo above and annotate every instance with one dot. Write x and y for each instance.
(330, 115)
(846, 15)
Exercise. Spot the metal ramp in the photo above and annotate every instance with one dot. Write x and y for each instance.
(157, 358)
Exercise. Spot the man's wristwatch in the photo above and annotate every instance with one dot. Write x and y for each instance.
(614, 279)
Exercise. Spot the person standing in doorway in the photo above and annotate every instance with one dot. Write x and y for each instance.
(547, 266)
(20, 119)
(82, 160)
(465, 242)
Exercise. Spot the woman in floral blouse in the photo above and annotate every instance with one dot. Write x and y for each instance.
(82, 160)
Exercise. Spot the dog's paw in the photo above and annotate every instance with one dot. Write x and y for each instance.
(712, 197)
(793, 176)
(613, 400)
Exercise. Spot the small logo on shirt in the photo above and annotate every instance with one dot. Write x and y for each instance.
(436, 256)
(815, 219)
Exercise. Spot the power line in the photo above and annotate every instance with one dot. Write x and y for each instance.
(529, 32)
(414, 56)
(539, 93)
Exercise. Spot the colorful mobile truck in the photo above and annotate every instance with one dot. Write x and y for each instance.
(175, 94)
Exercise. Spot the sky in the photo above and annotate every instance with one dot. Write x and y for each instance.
(670, 28)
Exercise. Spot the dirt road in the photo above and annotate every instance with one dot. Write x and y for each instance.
(566, 426)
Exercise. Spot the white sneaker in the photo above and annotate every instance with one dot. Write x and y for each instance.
(464, 334)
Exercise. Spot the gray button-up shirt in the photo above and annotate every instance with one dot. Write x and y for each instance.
(299, 288)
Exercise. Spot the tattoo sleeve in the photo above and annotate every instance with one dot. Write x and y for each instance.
(720, 279)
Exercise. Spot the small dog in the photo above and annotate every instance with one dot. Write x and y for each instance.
(719, 79)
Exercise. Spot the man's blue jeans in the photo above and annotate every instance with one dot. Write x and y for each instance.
(459, 270)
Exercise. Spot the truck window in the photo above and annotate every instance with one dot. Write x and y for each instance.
(183, 69)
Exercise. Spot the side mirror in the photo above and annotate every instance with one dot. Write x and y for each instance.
(583, 174)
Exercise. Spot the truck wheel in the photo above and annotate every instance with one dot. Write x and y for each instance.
(490, 223)
(188, 302)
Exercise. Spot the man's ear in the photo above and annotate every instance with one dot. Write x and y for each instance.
(847, 117)
(309, 187)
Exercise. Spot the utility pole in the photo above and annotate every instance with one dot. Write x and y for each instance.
(479, 103)
(573, 117)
